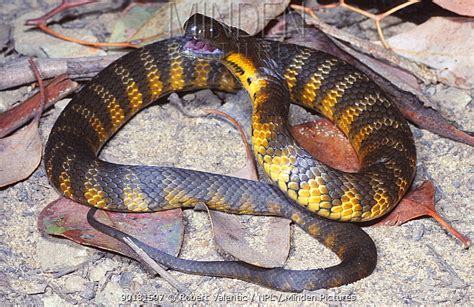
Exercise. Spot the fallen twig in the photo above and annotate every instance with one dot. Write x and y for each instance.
(141, 254)
(17, 72)
(62, 295)
(42, 24)
(19, 115)
(71, 269)
(376, 17)
(155, 266)
(42, 91)
(455, 279)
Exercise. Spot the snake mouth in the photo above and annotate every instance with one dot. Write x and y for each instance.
(201, 49)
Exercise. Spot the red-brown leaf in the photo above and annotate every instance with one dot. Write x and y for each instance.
(417, 203)
(66, 218)
(326, 143)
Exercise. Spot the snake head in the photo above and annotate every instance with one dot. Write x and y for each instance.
(209, 38)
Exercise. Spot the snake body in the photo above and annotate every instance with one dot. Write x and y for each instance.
(301, 75)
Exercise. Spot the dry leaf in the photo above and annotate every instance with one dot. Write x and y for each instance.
(326, 143)
(461, 7)
(131, 20)
(443, 43)
(229, 234)
(161, 230)
(417, 203)
(20, 154)
(250, 16)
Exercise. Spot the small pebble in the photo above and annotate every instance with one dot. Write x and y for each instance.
(189, 97)
(98, 272)
(418, 232)
(126, 279)
(75, 283)
(417, 133)
(470, 183)
(456, 183)
(431, 90)
(3, 105)
(89, 292)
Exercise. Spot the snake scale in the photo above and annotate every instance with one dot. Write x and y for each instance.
(213, 55)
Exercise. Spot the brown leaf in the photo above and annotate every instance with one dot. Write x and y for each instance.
(66, 218)
(461, 7)
(20, 154)
(229, 234)
(417, 203)
(326, 143)
(444, 43)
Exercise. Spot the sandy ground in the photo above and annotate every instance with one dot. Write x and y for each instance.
(419, 262)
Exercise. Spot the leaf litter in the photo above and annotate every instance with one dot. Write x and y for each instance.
(20, 153)
(443, 43)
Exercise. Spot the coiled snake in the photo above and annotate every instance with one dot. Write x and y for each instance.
(212, 55)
